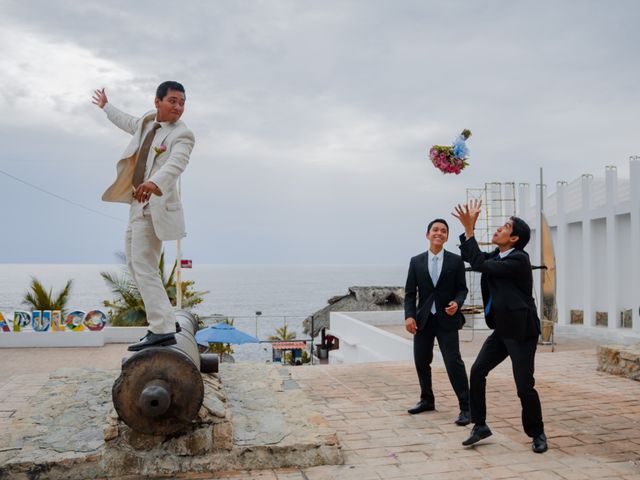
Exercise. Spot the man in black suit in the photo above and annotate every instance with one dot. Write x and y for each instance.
(437, 277)
(510, 311)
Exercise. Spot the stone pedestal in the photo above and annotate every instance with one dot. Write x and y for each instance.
(253, 417)
(621, 360)
(127, 452)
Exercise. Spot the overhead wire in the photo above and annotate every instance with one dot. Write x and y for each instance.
(59, 197)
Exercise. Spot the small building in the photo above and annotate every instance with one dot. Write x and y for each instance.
(295, 347)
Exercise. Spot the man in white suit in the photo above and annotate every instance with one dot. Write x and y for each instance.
(147, 180)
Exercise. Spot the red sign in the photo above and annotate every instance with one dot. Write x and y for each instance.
(186, 263)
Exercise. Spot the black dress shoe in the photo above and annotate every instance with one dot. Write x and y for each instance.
(463, 419)
(539, 444)
(422, 407)
(153, 340)
(478, 432)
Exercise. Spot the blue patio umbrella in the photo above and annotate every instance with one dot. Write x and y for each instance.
(223, 333)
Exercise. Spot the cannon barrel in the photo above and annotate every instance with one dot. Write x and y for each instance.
(160, 389)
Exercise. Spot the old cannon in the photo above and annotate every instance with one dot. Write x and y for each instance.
(160, 390)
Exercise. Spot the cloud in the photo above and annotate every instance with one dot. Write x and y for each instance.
(45, 82)
(312, 118)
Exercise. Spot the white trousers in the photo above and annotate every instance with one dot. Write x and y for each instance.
(143, 249)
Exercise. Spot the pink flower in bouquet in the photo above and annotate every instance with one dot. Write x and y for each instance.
(444, 158)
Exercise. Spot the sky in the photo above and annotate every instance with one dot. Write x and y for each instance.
(312, 118)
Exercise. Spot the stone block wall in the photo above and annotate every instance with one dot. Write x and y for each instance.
(621, 360)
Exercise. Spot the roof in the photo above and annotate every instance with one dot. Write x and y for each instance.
(288, 345)
(357, 299)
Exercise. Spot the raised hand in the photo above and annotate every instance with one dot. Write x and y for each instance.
(475, 207)
(468, 215)
(99, 98)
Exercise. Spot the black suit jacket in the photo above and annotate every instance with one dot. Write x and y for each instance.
(509, 283)
(451, 286)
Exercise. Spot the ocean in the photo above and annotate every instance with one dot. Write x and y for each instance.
(282, 293)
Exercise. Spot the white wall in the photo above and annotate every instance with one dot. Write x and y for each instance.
(623, 265)
(574, 270)
(361, 342)
(598, 264)
(28, 339)
(596, 230)
(390, 317)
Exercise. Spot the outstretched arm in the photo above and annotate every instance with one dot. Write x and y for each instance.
(120, 119)
(513, 265)
(468, 215)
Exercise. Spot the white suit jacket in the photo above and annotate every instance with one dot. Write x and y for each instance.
(166, 209)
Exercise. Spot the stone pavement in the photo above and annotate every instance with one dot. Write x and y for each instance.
(592, 418)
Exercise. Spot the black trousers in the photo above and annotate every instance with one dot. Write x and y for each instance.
(522, 354)
(450, 348)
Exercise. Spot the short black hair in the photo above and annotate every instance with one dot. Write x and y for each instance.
(164, 88)
(438, 220)
(521, 230)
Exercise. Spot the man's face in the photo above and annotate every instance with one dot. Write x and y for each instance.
(438, 234)
(503, 237)
(170, 108)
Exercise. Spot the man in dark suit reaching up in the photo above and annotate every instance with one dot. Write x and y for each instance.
(436, 278)
(510, 311)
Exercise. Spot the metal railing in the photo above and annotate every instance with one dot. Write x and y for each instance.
(265, 326)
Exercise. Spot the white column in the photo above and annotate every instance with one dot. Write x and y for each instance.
(634, 186)
(523, 202)
(611, 278)
(561, 249)
(587, 261)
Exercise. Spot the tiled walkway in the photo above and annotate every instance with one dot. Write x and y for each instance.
(592, 419)
(592, 422)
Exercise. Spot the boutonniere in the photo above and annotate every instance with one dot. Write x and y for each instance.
(161, 149)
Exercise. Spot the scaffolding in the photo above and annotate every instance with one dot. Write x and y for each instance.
(498, 204)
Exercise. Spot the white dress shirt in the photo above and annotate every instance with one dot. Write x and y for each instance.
(505, 253)
(440, 257)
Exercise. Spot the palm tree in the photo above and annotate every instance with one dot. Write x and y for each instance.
(283, 334)
(127, 309)
(40, 299)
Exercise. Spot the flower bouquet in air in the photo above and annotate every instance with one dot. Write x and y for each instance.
(451, 159)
